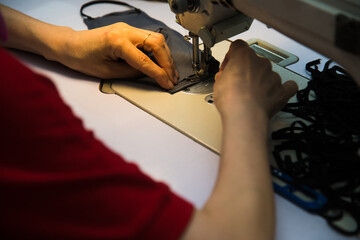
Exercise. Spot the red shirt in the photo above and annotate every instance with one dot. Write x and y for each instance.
(57, 181)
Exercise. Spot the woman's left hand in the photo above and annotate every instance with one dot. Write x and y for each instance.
(97, 52)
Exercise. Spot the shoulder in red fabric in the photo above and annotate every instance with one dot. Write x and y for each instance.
(59, 182)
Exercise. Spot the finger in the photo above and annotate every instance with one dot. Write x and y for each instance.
(138, 60)
(225, 61)
(238, 44)
(156, 44)
(233, 47)
(172, 60)
(290, 88)
(218, 75)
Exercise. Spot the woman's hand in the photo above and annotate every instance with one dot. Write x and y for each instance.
(97, 52)
(246, 82)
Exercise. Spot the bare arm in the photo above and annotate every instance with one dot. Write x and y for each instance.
(31, 35)
(241, 206)
(94, 52)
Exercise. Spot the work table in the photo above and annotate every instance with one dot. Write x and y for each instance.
(162, 152)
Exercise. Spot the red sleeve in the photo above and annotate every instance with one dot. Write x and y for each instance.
(58, 181)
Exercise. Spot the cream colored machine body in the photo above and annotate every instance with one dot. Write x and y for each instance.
(330, 27)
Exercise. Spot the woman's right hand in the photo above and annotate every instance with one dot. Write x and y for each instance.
(246, 82)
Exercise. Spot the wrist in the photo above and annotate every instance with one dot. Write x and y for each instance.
(245, 112)
(246, 119)
(55, 46)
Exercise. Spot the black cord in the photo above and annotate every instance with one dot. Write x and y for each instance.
(326, 141)
(99, 2)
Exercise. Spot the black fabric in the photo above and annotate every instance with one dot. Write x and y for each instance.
(181, 50)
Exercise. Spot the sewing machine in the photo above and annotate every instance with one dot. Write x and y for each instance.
(314, 23)
(331, 27)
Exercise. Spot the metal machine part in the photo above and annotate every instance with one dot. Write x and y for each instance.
(211, 21)
(204, 86)
(201, 60)
(271, 52)
(203, 77)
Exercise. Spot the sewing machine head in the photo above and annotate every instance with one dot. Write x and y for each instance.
(331, 27)
(211, 21)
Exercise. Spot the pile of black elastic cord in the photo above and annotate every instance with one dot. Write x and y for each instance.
(325, 141)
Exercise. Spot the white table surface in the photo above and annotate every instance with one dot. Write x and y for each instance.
(165, 154)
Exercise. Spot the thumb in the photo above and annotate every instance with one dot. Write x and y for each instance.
(290, 88)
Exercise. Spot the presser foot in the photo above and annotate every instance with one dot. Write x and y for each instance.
(203, 84)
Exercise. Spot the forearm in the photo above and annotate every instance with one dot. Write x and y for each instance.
(242, 203)
(244, 192)
(29, 34)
